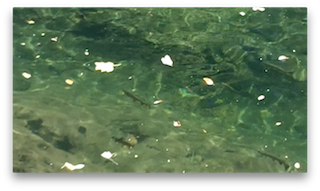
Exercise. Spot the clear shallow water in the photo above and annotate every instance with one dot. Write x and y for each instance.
(222, 126)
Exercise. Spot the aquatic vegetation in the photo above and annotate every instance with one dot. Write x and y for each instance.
(187, 93)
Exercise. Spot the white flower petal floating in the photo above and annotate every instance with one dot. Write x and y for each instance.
(176, 123)
(72, 167)
(283, 57)
(157, 102)
(261, 97)
(26, 75)
(258, 9)
(31, 22)
(278, 123)
(104, 66)
(69, 82)
(166, 60)
(242, 13)
(108, 155)
(208, 81)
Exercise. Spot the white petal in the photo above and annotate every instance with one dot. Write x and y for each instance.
(72, 167)
(106, 154)
(261, 97)
(104, 66)
(166, 60)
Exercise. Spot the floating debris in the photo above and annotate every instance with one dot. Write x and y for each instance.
(283, 57)
(258, 9)
(242, 13)
(166, 60)
(31, 22)
(105, 66)
(261, 97)
(176, 123)
(69, 82)
(86, 52)
(208, 81)
(157, 102)
(55, 39)
(72, 167)
(26, 75)
(278, 123)
(108, 155)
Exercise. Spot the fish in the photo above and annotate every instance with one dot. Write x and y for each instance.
(282, 162)
(135, 98)
(53, 70)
